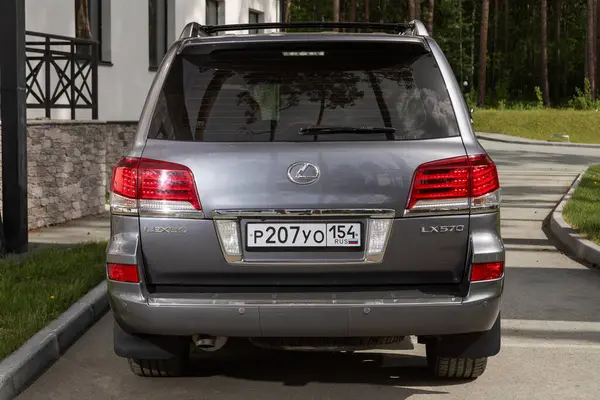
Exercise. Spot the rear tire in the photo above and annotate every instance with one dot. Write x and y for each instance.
(158, 368)
(455, 368)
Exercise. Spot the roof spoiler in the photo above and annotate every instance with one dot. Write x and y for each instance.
(412, 28)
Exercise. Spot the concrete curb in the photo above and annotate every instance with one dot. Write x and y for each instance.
(20, 368)
(497, 137)
(577, 244)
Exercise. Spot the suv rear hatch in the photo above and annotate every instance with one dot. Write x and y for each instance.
(296, 163)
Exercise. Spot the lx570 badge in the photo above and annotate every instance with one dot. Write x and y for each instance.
(442, 229)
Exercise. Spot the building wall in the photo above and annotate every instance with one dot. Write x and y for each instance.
(124, 85)
(69, 168)
(50, 16)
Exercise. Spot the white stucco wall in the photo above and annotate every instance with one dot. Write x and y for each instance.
(123, 85)
(50, 16)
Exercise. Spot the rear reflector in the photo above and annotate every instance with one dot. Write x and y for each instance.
(123, 273)
(487, 271)
(455, 184)
(153, 187)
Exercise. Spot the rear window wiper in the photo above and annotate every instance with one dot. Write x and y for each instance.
(320, 130)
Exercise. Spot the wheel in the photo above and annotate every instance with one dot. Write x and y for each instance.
(158, 368)
(458, 368)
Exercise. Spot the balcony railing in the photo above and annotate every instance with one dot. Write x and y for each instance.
(62, 73)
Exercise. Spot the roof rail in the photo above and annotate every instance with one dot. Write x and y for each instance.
(419, 28)
(193, 29)
(415, 27)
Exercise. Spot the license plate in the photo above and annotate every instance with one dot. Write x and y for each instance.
(303, 235)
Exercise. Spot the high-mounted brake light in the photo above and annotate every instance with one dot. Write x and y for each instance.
(454, 185)
(153, 187)
(487, 271)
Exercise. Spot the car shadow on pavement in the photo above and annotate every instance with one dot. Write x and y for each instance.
(404, 372)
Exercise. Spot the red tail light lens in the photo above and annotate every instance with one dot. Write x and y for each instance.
(160, 180)
(445, 179)
(484, 176)
(124, 182)
(453, 182)
(487, 271)
(157, 184)
(123, 273)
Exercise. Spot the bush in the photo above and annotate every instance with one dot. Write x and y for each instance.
(539, 97)
(583, 100)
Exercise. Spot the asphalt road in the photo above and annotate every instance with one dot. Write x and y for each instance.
(551, 326)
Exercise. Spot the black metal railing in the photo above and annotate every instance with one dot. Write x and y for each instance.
(62, 73)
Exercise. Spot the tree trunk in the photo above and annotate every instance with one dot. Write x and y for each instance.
(485, 15)
(367, 9)
(418, 9)
(460, 41)
(288, 10)
(558, 77)
(430, 16)
(506, 31)
(545, 88)
(352, 11)
(531, 53)
(336, 10)
(411, 10)
(597, 54)
(495, 43)
(83, 28)
(591, 75)
(473, 46)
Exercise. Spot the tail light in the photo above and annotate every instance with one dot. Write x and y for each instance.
(487, 271)
(151, 187)
(467, 183)
(123, 273)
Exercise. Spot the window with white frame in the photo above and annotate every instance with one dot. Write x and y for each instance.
(157, 31)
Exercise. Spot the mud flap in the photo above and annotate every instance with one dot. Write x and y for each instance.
(470, 345)
(149, 347)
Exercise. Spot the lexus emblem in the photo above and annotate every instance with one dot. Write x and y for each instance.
(303, 173)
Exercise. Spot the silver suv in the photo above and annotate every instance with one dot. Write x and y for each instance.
(306, 191)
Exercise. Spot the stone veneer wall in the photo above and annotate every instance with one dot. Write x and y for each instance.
(69, 167)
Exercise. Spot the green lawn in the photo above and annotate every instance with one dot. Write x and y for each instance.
(38, 287)
(582, 212)
(581, 126)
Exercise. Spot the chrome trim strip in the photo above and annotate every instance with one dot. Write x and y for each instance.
(238, 260)
(486, 210)
(442, 213)
(172, 214)
(437, 213)
(292, 213)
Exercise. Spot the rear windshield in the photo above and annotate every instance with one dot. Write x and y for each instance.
(272, 94)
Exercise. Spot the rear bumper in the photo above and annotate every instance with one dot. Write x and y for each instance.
(409, 312)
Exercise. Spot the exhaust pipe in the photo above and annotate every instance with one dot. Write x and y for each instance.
(209, 343)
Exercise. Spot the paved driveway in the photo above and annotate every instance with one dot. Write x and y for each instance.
(551, 324)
